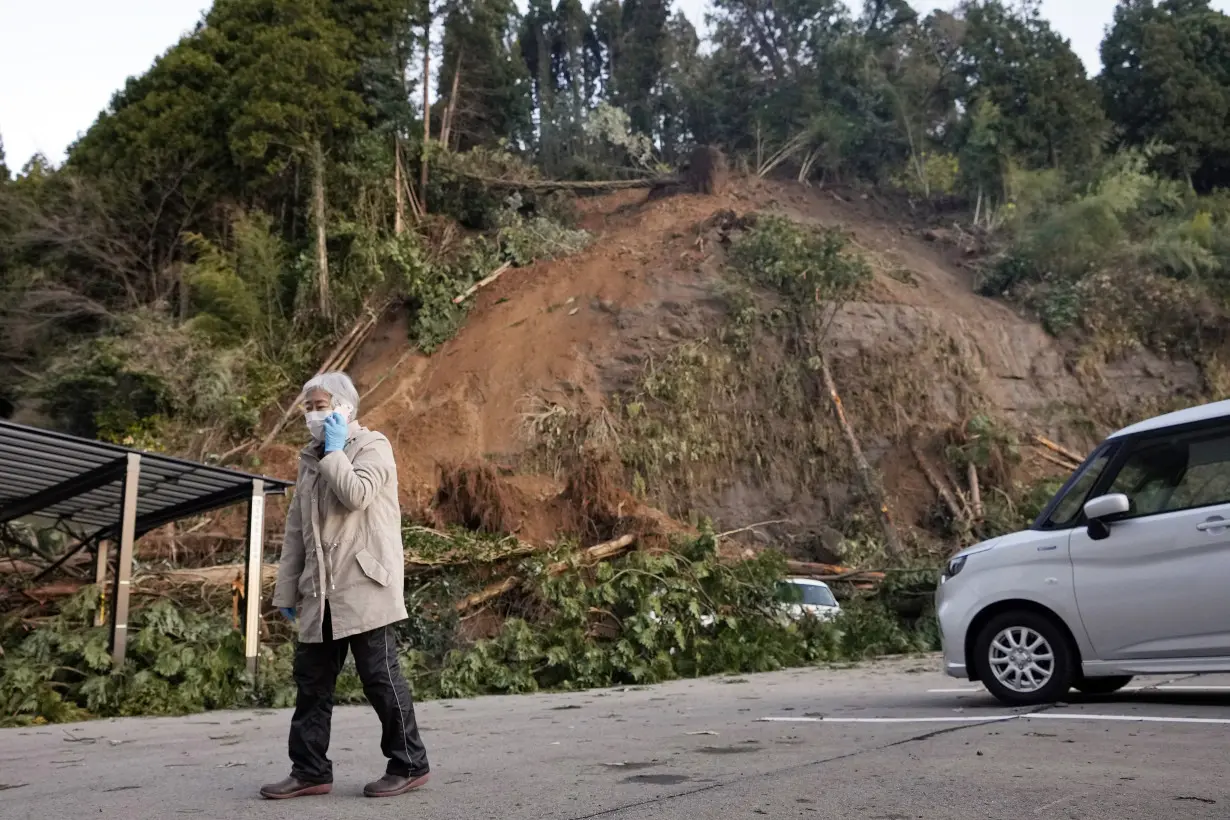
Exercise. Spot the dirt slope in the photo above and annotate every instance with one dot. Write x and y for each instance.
(918, 353)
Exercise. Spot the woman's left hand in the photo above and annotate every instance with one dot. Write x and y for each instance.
(336, 432)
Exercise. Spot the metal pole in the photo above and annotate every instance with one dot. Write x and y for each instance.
(252, 590)
(100, 580)
(123, 564)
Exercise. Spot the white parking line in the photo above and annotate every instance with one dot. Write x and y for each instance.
(1164, 687)
(1003, 718)
(987, 719)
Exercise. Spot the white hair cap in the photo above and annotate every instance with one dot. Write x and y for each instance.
(340, 388)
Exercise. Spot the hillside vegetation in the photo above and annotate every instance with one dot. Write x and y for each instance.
(885, 262)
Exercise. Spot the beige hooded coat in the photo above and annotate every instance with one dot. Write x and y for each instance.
(343, 540)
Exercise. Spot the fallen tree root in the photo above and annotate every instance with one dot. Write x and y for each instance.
(593, 555)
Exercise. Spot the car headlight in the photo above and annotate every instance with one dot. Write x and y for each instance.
(954, 566)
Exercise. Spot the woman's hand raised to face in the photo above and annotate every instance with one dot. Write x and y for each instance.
(336, 432)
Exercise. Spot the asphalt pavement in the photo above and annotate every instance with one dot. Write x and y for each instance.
(886, 740)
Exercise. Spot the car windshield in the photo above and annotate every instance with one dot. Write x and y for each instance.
(808, 594)
(1066, 509)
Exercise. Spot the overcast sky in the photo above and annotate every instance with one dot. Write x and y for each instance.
(61, 60)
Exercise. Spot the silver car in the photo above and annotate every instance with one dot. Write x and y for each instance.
(1124, 573)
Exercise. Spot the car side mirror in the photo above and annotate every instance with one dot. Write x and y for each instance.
(1100, 511)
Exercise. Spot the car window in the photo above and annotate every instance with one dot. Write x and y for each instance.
(1175, 474)
(817, 596)
(788, 593)
(791, 593)
(1068, 509)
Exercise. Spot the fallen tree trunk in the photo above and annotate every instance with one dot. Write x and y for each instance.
(593, 555)
(16, 566)
(338, 359)
(831, 572)
(959, 513)
(1060, 449)
(1056, 460)
(871, 485)
(549, 185)
(470, 291)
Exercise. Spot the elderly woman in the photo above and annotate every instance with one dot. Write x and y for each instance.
(340, 577)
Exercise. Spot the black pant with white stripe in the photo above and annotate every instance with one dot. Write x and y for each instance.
(317, 666)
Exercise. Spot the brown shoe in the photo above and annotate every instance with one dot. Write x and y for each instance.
(294, 787)
(392, 785)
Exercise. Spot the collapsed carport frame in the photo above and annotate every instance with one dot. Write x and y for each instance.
(107, 493)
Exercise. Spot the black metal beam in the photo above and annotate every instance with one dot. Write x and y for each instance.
(222, 498)
(82, 544)
(59, 493)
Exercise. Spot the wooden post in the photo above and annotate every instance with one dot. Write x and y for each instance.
(100, 580)
(123, 565)
(252, 591)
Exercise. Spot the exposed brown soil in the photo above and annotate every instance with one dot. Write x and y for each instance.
(911, 355)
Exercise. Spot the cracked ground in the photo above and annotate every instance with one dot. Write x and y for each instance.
(889, 740)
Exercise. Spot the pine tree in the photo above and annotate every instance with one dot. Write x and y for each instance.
(643, 60)
(1015, 61)
(1167, 79)
(494, 90)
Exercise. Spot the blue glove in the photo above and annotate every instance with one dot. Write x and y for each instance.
(336, 433)
(289, 612)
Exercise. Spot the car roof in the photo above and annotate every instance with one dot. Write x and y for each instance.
(1203, 412)
(806, 582)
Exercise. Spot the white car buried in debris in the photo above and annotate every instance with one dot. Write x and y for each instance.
(804, 597)
(798, 598)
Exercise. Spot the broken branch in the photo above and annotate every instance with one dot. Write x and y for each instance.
(595, 554)
(959, 513)
(1060, 449)
(482, 283)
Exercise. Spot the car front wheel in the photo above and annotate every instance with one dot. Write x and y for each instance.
(1024, 659)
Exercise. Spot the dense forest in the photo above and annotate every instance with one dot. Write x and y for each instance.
(291, 163)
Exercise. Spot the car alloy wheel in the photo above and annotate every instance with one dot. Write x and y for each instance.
(1021, 659)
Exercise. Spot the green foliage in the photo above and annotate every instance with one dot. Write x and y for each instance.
(1115, 258)
(524, 240)
(929, 175)
(177, 662)
(807, 266)
(638, 619)
(649, 618)
(1167, 79)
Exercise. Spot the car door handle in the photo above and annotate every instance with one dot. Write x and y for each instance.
(1213, 524)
